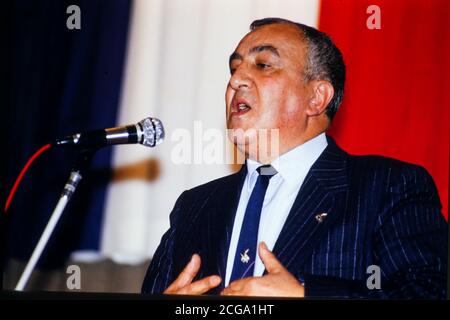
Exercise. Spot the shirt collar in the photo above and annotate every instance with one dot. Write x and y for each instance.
(294, 164)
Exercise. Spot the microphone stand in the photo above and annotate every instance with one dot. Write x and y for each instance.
(82, 162)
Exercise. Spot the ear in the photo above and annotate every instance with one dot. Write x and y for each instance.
(322, 93)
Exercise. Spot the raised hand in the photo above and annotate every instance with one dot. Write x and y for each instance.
(184, 285)
(277, 282)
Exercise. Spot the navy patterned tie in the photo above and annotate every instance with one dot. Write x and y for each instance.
(244, 261)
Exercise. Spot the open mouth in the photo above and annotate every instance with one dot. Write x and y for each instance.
(240, 107)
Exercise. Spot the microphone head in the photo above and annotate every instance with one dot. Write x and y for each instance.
(152, 132)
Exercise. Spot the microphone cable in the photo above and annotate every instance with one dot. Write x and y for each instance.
(22, 173)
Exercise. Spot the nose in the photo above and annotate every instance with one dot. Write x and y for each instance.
(240, 79)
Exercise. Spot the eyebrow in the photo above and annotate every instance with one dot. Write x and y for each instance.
(257, 49)
(264, 47)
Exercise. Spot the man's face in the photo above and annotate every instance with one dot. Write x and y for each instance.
(266, 88)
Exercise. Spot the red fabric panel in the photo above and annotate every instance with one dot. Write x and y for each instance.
(397, 96)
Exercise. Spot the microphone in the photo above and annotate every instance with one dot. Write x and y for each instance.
(148, 132)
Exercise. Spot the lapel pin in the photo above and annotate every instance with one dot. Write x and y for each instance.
(320, 217)
(244, 256)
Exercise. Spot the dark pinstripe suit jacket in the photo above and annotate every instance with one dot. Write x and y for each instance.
(380, 212)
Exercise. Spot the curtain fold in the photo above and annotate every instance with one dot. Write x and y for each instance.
(59, 82)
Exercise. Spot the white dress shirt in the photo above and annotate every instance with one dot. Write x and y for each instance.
(292, 168)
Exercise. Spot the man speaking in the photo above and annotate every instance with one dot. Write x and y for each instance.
(312, 220)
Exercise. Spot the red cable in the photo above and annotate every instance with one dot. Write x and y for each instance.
(22, 173)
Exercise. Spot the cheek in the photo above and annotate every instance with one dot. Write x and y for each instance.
(294, 106)
(294, 114)
(277, 101)
(294, 101)
(272, 95)
(283, 104)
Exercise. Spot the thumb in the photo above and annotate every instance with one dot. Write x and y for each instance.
(269, 260)
(187, 275)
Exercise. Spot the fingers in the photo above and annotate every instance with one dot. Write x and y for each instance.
(278, 282)
(269, 260)
(187, 275)
(183, 283)
(201, 286)
(228, 292)
(234, 288)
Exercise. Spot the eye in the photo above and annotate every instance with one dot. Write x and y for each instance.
(262, 65)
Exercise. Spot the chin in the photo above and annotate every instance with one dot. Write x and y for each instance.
(245, 141)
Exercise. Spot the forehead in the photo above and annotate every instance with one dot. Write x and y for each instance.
(286, 38)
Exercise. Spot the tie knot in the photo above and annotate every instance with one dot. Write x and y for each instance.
(267, 170)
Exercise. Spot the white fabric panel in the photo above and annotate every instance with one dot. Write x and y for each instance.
(177, 71)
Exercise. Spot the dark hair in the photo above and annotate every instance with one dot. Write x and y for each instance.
(324, 60)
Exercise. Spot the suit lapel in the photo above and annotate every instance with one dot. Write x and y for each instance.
(324, 191)
(219, 226)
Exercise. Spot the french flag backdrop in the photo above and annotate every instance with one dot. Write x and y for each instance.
(397, 100)
(168, 59)
(59, 82)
